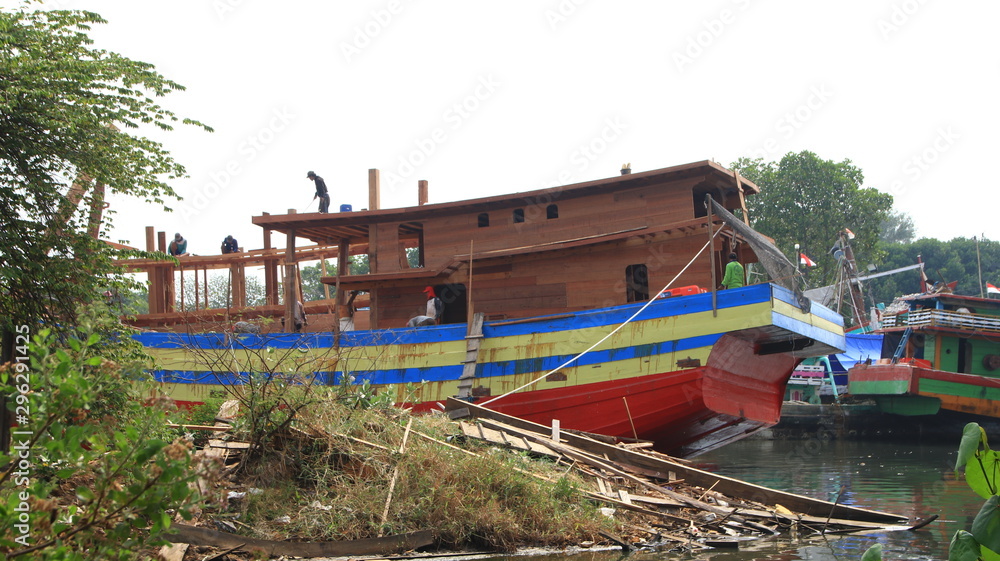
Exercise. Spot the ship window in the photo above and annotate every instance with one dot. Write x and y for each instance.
(411, 245)
(518, 215)
(636, 283)
(484, 219)
(552, 211)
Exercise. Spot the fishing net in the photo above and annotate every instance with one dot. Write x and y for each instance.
(779, 269)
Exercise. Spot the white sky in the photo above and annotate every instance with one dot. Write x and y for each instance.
(516, 95)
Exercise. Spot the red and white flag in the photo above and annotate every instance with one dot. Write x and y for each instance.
(850, 234)
(805, 261)
(990, 289)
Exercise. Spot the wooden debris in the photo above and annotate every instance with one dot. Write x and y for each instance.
(691, 503)
(182, 533)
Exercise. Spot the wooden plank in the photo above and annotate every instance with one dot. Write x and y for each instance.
(183, 533)
(660, 467)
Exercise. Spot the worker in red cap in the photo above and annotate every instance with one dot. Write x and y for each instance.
(435, 307)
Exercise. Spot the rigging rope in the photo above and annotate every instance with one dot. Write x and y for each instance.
(616, 330)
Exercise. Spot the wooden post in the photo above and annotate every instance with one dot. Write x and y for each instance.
(164, 272)
(182, 288)
(322, 268)
(343, 268)
(270, 272)
(374, 203)
(711, 257)
(290, 281)
(152, 273)
(468, 293)
(96, 211)
(206, 287)
(374, 198)
(743, 199)
(422, 192)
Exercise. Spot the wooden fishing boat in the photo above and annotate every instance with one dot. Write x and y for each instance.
(553, 309)
(940, 356)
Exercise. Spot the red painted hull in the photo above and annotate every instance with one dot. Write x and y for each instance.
(684, 413)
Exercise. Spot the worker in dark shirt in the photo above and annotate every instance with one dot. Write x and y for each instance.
(230, 245)
(321, 192)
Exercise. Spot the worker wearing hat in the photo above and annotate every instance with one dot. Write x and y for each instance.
(435, 307)
(321, 192)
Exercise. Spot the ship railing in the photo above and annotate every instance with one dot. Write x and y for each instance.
(945, 319)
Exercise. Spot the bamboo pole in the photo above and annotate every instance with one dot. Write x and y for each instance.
(395, 475)
(468, 294)
(711, 256)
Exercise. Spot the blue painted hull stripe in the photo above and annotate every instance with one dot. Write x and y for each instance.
(663, 308)
(484, 370)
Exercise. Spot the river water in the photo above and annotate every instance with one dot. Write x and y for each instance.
(912, 479)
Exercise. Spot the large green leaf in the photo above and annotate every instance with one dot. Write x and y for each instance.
(972, 435)
(986, 526)
(873, 553)
(981, 473)
(964, 547)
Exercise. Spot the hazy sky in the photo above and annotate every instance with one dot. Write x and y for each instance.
(482, 98)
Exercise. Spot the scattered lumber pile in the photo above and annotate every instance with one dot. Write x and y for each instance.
(683, 505)
(661, 502)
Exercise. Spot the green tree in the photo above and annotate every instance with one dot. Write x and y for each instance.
(64, 110)
(897, 228)
(807, 201)
(957, 261)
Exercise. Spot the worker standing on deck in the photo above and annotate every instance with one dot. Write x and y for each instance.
(435, 307)
(321, 192)
(734, 273)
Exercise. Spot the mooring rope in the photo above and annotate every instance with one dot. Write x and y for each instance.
(616, 330)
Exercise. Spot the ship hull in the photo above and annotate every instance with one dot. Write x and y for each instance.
(686, 373)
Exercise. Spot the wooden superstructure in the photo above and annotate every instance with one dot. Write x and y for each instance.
(564, 249)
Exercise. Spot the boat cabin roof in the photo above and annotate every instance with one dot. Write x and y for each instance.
(354, 226)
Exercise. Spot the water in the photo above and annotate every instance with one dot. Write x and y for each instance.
(912, 479)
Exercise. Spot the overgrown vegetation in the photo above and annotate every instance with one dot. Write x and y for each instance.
(342, 470)
(93, 473)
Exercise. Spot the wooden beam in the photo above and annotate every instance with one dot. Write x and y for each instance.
(711, 257)
(422, 192)
(152, 275)
(374, 196)
(290, 282)
(743, 199)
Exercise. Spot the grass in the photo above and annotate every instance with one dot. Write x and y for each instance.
(330, 480)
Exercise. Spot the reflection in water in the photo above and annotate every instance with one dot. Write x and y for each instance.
(906, 478)
(910, 479)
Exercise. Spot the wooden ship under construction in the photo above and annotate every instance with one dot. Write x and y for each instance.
(594, 304)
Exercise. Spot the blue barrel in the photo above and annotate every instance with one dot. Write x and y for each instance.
(345, 208)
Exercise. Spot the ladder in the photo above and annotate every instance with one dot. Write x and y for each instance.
(473, 339)
(902, 344)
